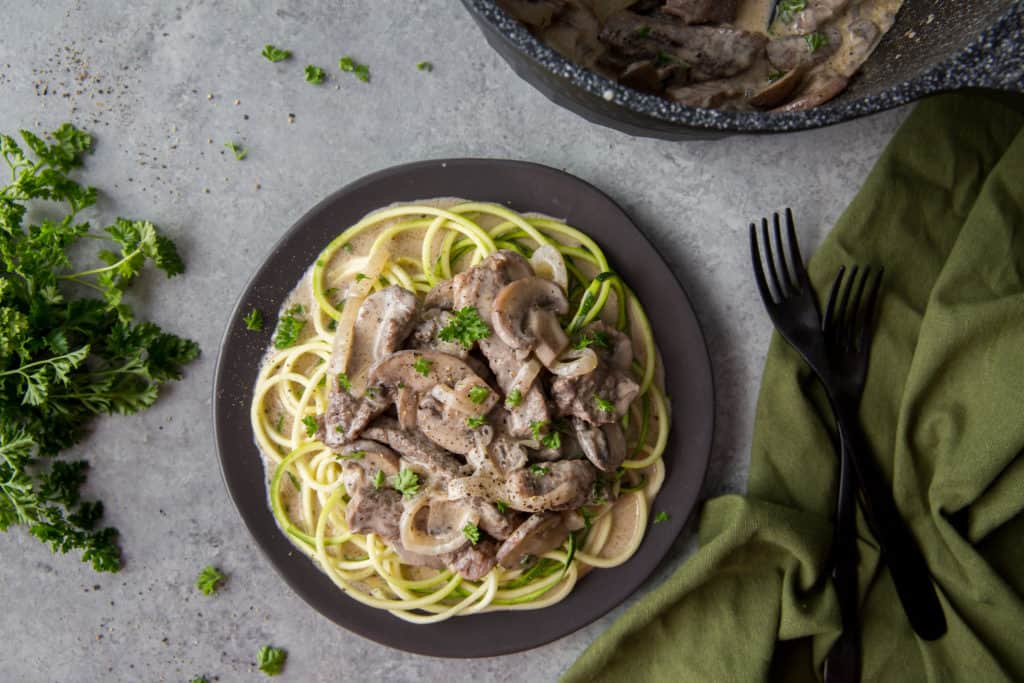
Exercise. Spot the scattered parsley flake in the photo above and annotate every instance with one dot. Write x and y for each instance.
(422, 366)
(275, 54)
(479, 394)
(465, 327)
(603, 405)
(406, 482)
(236, 149)
(552, 440)
(271, 660)
(343, 382)
(661, 517)
(472, 532)
(539, 470)
(311, 425)
(378, 479)
(253, 321)
(501, 505)
(360, 277)
(815, 41)
(314, 74)
(208, 579)
(294, 480)
(360, 71)
(514, 398)
(475, 422)
(425, 66)
(787, 9)
(598, 339)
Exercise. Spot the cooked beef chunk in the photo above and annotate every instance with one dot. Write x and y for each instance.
(479, 287)
(537, 535)
(800, 52)
(473, 562)
(417, 449)
(599, 397)
(611, 345)
(424, 335)
(388, 315)
(702, 11)
(604, 445)
(497, 524)
(348, 415)
(707, 51)
(561, 485)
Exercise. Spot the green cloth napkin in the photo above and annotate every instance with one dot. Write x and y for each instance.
(943, 211)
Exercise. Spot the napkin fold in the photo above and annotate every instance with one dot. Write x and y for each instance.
(943, 211)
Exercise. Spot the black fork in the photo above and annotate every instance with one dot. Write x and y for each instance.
(793, 307)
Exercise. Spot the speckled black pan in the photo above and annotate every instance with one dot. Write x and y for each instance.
(935, 46)
(524, 187)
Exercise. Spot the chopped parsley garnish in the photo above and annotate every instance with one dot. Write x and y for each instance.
(371, 392)
(425, 66)
(552, 440)
(643, 32)
(471, 532)
(343, 383)
(776, 74)
(208, 579)
(311, 425)
(349, 65)
(501, 505)
(536, 427)
(200, 679)
(465, 327)
(406, 482)
(539, 470)
(236, 149)
(347, 247)
(352, 455)
(514, 398)
(598, 339)
(661, 517)
(253, 321)
(289, 327)
(604, 406)
(275, 54)
(271, 660)
(378, 479)
(475, 421)
(786, 9)
(422, 366)
(815, 41)
(479, 394)
(314, 74)
(339, 429)
(360, 277)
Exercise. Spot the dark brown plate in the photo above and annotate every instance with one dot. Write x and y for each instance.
(524, 187)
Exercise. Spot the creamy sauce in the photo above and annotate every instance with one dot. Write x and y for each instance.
(340, 275)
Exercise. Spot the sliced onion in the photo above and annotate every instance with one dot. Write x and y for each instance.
(458, 399)
(574, 362)
(422, 542)
(524, 378)
(547, 263)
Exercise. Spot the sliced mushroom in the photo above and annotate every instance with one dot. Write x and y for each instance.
(451, 431)
(525, 317)
(777, 92)
(420, 371)
(796, 52)
(534, 537)
(560, 485)
(821, 89)
(604, 445)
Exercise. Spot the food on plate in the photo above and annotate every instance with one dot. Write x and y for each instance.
(462, 410)
(784, 55)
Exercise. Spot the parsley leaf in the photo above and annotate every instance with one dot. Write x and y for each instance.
(539, 470)
(311, 425)
(475, 422)
(236, 149)
(275, 54)
(425, 66)
(253, 321)
(815, 41)
(289, 328)
(314, 74)
(208, 579)
(514, 398)
(661, 517)
(343, 382)
(785, 10)
(270, 660)
(472, 532)
(501, 505)
(406, 482)
(378, 479)
(465, 327)
(598, 339)
(360, 71)
(551, 440)
(603, 405)
(200, 679)
(422, 366)
(479, 394)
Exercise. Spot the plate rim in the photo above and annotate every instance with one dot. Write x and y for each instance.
(285, 568)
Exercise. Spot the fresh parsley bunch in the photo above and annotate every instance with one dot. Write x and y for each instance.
(65, 358)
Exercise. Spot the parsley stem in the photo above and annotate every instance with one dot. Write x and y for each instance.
(97, 271)
(20, 370)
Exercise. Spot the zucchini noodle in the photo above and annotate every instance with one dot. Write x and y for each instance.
(416, 246)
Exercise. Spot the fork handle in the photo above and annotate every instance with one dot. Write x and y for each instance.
(842, 664)
(899, 549)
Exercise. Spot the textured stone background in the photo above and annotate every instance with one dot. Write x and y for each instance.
(139, 76)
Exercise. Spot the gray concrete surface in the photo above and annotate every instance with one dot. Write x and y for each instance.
(163, 85)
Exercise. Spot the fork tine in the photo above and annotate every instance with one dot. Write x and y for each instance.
(755, 253)
(796, 260)
(856, 317)
(843, 315)
(829, 322)
(770, 258)
(791, 284)
(864, 343)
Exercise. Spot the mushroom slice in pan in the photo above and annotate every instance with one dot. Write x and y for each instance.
(560, 485)
(778, 91)
(451, 431)
(537, 535)
(604, 445)
(414, 447)
(525, 317)
(420, 371)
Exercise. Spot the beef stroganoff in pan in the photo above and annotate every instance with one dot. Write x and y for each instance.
(462, 410)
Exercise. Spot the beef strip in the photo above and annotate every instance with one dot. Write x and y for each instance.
(478, 287)
(709, 52)
(417, 449)
(817, 14)
(473, 562)
(561, 485)
(579, 395)
(793, 52)
(702, 11)
(537, 535)
(424, 335)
